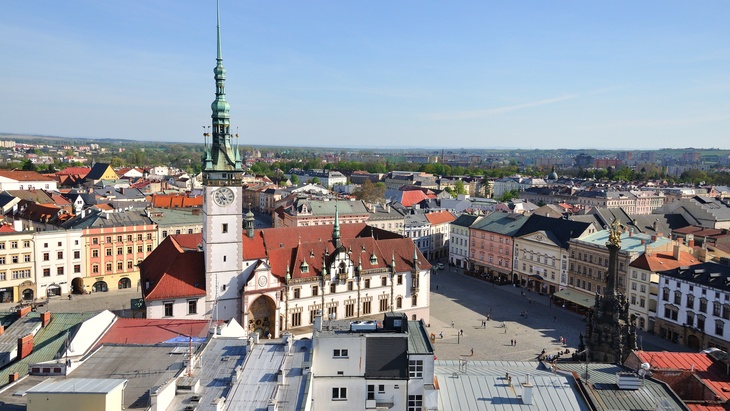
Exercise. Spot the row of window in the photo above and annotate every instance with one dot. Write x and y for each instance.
(383, 306)
(672, 313)
(120, 250)
(59, 255)
(718, 309)
(15, 259)
(109, 266)
(297, 292)
(14, 244)
(192, 307)
(15, 274)
(120, 238)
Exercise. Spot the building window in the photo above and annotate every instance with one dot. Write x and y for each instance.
(13, 244)
(340, 353)
(224, 228)
(46, 272)
(349, 286)
(296, 293)
(120, 251)
(339, 393)
(399, 302)
(77, 254)
(415, 403)
(168, 308)
(130, 250)
(367, 283)
(129, 237)
(383, 281)
(14, 259)
(164, 233)
(678, 297)
(77, 268)
(366, 307)
(296, 319)
(383, 304)
(415, 368)
(349, 309)
(149, 236)
(108, 266)
(719, 327)
(109, 251)
(701, 323)
(95, 268)
(315, 290)
(139, 237)
(26, 258)
(414, 300)
(129, 264)
(333, 288)
(94, 253)
(665, 294)
(109, 239)
(59, 270)
(46, 256)
(703, 305)
(120, 266)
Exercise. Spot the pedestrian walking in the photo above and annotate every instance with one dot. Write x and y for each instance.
(472, 352)
(511, 342)
(437, 287)
(461, 332)
(515, 343)
(441, 335)
(452, 324)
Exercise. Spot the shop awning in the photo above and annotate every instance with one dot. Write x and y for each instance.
(576, 297)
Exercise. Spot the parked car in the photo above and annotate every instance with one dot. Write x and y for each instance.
(440, 266)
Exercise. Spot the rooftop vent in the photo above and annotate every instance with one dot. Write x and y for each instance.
(628, 381)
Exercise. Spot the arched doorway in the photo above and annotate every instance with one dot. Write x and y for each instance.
(261, 317)
(125, 283)
(28, 294)
(77, 285)
(693, 342)
(100, 286)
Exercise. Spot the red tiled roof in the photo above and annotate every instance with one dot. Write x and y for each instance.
(699, 231)
(709, 371)
(409, 198)
(6, 228)
(144, 331)
(173, 272)
(176, 201)
(440, 217)
(655, 262)
(21, 175)
(176, 267)
(78, 171)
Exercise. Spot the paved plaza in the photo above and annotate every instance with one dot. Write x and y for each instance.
(466, 301)
(455, 297)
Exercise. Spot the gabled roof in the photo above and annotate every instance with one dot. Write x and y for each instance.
(173, 272)
(144, 331)
(440, 217)
(77, 171)
(97, 171)
(36, 196)
(176, 201)
(501, 223)
(656, 262)
(22, 175)
(465, 220)
(562, 229)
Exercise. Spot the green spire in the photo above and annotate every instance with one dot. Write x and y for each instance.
(222, 153)
(336, 230)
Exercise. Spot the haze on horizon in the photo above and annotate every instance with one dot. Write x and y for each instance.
(472, 74)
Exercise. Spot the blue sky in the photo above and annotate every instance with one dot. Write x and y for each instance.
(483, 74)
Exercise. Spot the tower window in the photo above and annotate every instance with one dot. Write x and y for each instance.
(224, 258)
(224, 228)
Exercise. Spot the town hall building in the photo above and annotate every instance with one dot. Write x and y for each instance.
(272, 280)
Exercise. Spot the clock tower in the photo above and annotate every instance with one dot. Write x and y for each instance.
(222, 205)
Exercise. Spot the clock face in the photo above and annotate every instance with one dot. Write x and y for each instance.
(223, 196)
(262, 281)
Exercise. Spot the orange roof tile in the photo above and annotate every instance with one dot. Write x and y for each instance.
(22, 175)
(705, 368)
(409, 198)
(176, 201)
(655, 262)
(144, 331)
(440, 217)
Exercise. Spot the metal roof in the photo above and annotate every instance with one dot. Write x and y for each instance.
(483, 386)
(77, 385)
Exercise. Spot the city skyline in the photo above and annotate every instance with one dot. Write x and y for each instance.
(473, 75)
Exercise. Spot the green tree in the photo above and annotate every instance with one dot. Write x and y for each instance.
(370, 192)
(294, 179)
(29, 165)
(509, 196)
(315, 180)
(459, 187)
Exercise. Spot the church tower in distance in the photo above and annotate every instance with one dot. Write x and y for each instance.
(222, 205)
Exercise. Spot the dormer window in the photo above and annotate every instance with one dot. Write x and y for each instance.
(373, 259)
(343, 268)
(304, 267)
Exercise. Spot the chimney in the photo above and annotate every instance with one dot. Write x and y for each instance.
(25, 346)
(318, 321)
(2, 329)
(691, 243)
(23, 311)
(527, 391)
(13, 377)
(45, 318)
(676, 250)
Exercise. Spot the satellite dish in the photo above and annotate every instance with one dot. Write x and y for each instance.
(646, 366)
